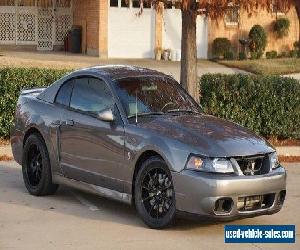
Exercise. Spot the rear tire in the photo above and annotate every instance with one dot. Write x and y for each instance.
(36, 167)
(154, 194)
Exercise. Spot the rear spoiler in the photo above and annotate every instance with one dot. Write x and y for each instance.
(35, 91)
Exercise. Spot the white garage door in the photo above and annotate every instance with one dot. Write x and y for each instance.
(172, 32)
(130, 35)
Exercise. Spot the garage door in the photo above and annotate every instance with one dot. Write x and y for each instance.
(130, 35)
(172, 32)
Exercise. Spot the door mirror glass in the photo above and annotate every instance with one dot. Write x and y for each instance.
(106, 115)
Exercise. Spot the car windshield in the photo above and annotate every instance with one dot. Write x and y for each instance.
(154, 96)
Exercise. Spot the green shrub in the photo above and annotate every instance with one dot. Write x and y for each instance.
(242, 56)
(297, 45)
(258, 40)
(221, 46)
(268, 105)
(284, 54)
(254, 55)
(229, 55)
(12, 81)
(271, 54)
(282, 27)
(294, 53)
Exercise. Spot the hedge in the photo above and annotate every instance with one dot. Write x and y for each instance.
(268, 105)
(12, 81)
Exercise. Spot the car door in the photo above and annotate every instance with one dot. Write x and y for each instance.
(92, 150)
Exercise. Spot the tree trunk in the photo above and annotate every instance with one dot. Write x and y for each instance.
(188, 76)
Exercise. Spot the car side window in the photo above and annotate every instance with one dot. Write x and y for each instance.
(91, 95)
(64, 94)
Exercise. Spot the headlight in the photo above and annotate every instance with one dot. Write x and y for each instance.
(274, 160)
(216, 165)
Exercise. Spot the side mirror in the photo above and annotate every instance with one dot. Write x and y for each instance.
(106, 115)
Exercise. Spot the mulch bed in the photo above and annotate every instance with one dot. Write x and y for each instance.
(5, 158)
(284, 143)
(289, 159)
(4, 142)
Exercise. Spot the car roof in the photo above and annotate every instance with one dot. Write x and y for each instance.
(115, 72)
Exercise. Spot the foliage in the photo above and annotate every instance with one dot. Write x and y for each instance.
(242, 56)
(282, 27)
(229, 55)
(271, 54)
(284, 54)
(221, 45)
(268, 105)
(258, 40)
(12, 81)
(294, 53)
(254, 55)
(297, 45)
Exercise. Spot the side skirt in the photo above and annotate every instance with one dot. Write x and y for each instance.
(90, 188)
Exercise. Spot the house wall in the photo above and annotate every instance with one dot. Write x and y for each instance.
(234, 33)
(92, 16)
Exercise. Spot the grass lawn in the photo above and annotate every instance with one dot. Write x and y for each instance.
(279, 66)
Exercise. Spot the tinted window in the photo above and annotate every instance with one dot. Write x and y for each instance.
(153, 94)
(91, 95)
(64, 94)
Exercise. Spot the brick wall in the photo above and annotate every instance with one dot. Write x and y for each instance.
(92, 16)
(262, 17)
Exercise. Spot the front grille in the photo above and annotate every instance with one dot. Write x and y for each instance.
(256, 202)
(257, 165)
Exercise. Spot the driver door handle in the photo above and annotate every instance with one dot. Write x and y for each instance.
(69, 122)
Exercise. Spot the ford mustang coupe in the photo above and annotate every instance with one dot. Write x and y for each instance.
(134, 135)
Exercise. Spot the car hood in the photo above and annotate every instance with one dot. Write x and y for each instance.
(208, 135)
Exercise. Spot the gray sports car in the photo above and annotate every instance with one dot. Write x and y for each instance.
(134, 135)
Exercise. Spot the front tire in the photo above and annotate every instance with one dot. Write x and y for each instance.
(36, 167)
(154, 194)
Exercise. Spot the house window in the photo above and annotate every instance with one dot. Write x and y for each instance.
(147, 4)
(26, 3)
(177, 5)
(168, 4)
(7, 2)
(135, 3)
(113, 3)
(276, 8)
(232, 15)
(124, 3)
(63, 3)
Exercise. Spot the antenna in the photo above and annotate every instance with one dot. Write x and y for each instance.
(136, 108)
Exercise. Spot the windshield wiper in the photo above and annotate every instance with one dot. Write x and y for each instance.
(145, 114)
(182, 111)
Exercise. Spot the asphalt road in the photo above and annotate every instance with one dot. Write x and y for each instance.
(75, 220)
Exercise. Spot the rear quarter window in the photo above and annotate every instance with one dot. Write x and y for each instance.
(64, 94)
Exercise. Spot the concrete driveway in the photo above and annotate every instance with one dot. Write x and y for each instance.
(73, 61)
(74, 220)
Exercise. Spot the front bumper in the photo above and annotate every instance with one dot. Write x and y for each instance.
(198, 192)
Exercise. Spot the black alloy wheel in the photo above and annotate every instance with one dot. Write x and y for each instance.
(36, 167)
(154, 193)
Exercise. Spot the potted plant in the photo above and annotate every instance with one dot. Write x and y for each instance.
(166, 54)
